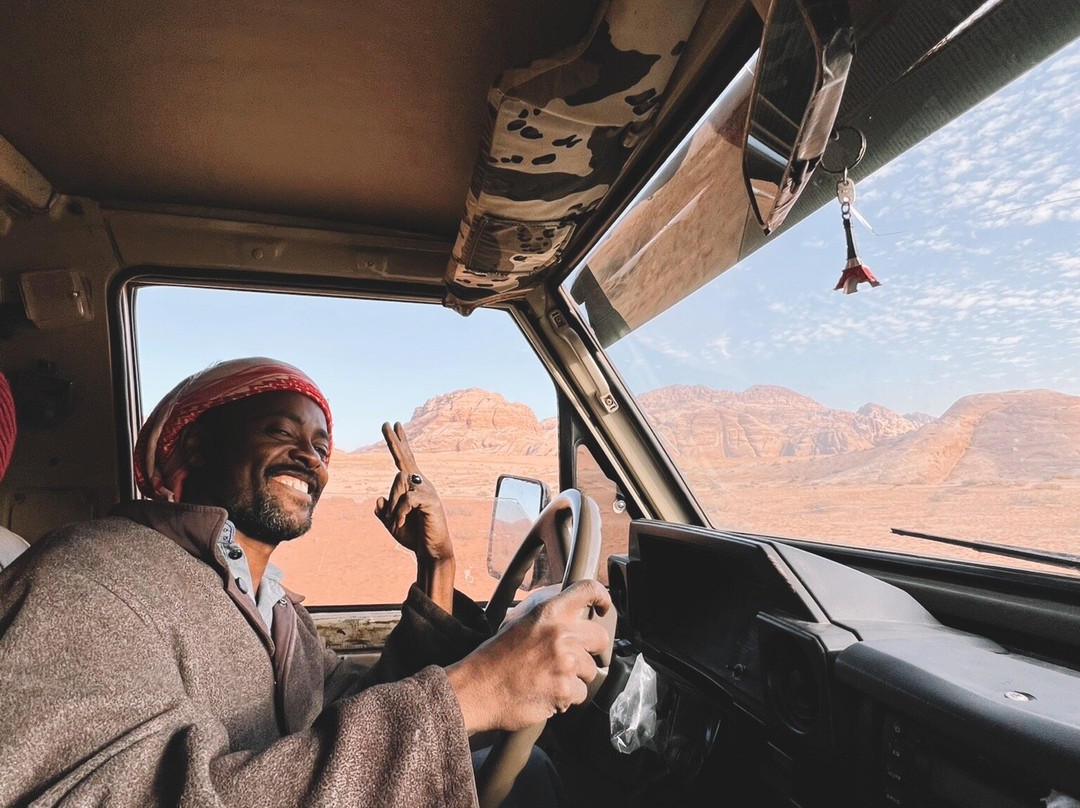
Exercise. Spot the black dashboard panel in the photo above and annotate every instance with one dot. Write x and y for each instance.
(821, 668)
(703, 598)
(1020, 711)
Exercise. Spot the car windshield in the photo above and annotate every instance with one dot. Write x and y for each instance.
(945, 401)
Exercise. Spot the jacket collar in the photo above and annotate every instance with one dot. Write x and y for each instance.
(196, 528)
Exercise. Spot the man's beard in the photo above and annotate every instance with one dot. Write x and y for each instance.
(261, 517)
(264, 520)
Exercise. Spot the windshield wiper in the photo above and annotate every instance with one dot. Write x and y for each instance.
(1044, 556)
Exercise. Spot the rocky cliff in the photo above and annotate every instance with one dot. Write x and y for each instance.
(1019, 435)
(477, 421)
(1026, 435)
(765, 421)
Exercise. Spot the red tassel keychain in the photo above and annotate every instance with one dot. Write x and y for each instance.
(855, 271)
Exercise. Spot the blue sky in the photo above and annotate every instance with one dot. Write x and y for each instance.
(978, 251)
(375, 361)
(977, 247)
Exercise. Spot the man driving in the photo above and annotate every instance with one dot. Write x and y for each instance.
(154, 656)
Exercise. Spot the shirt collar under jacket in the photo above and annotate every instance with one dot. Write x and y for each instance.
(198, 529)
(270, 589)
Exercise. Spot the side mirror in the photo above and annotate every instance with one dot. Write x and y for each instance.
(518, 502)
(802, 66)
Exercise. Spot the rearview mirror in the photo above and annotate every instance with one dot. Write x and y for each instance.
(802, 67)
(518, 502)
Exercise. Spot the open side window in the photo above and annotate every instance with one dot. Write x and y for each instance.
(473, 397)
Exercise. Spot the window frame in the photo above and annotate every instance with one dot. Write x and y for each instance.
(349, 618)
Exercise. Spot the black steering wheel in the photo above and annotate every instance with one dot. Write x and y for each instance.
(572, 519)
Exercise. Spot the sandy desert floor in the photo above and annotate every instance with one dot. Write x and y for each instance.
(349, 558)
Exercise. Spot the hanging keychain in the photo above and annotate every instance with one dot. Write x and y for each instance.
(855, 271)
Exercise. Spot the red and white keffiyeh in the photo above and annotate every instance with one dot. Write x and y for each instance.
(159, 473)
(7, 424)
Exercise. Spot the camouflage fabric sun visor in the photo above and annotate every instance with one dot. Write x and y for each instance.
(560, 132)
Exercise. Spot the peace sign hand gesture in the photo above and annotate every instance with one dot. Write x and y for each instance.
(413, 513)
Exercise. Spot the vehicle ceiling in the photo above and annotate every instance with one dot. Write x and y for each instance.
(372, 114)
(361, 112)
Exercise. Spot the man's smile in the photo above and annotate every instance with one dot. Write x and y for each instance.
(300, 483)
(292, 482)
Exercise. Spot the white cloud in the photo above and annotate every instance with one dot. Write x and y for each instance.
(719, 346)
(960, 167)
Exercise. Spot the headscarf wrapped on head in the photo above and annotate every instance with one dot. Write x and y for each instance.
(159, 469)
(7, 424)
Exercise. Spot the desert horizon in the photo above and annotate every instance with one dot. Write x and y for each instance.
(997, 467)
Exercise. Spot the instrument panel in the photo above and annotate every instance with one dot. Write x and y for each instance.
(699, 607)
(808, 663)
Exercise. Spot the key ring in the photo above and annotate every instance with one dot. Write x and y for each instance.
(834, 137)
(855, 271)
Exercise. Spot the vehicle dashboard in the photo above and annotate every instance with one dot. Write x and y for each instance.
(805, 682)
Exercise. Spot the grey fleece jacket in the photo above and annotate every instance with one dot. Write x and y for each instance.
(132, 673)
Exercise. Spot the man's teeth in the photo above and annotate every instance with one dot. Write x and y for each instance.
(292, 482)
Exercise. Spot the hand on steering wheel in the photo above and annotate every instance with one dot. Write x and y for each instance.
(574, 520)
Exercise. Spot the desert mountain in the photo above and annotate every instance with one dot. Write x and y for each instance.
(698, 421)
(477, 421)
(1026, 435)
(765, 421)
(1020, 435)
(920, 418)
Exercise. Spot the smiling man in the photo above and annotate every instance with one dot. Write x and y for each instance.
(242, 457)
(154, 657)
(269, 492)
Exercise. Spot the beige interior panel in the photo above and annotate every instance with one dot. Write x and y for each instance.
(33, 513)
(350, 111)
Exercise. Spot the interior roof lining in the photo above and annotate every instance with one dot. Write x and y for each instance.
(265, 105)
